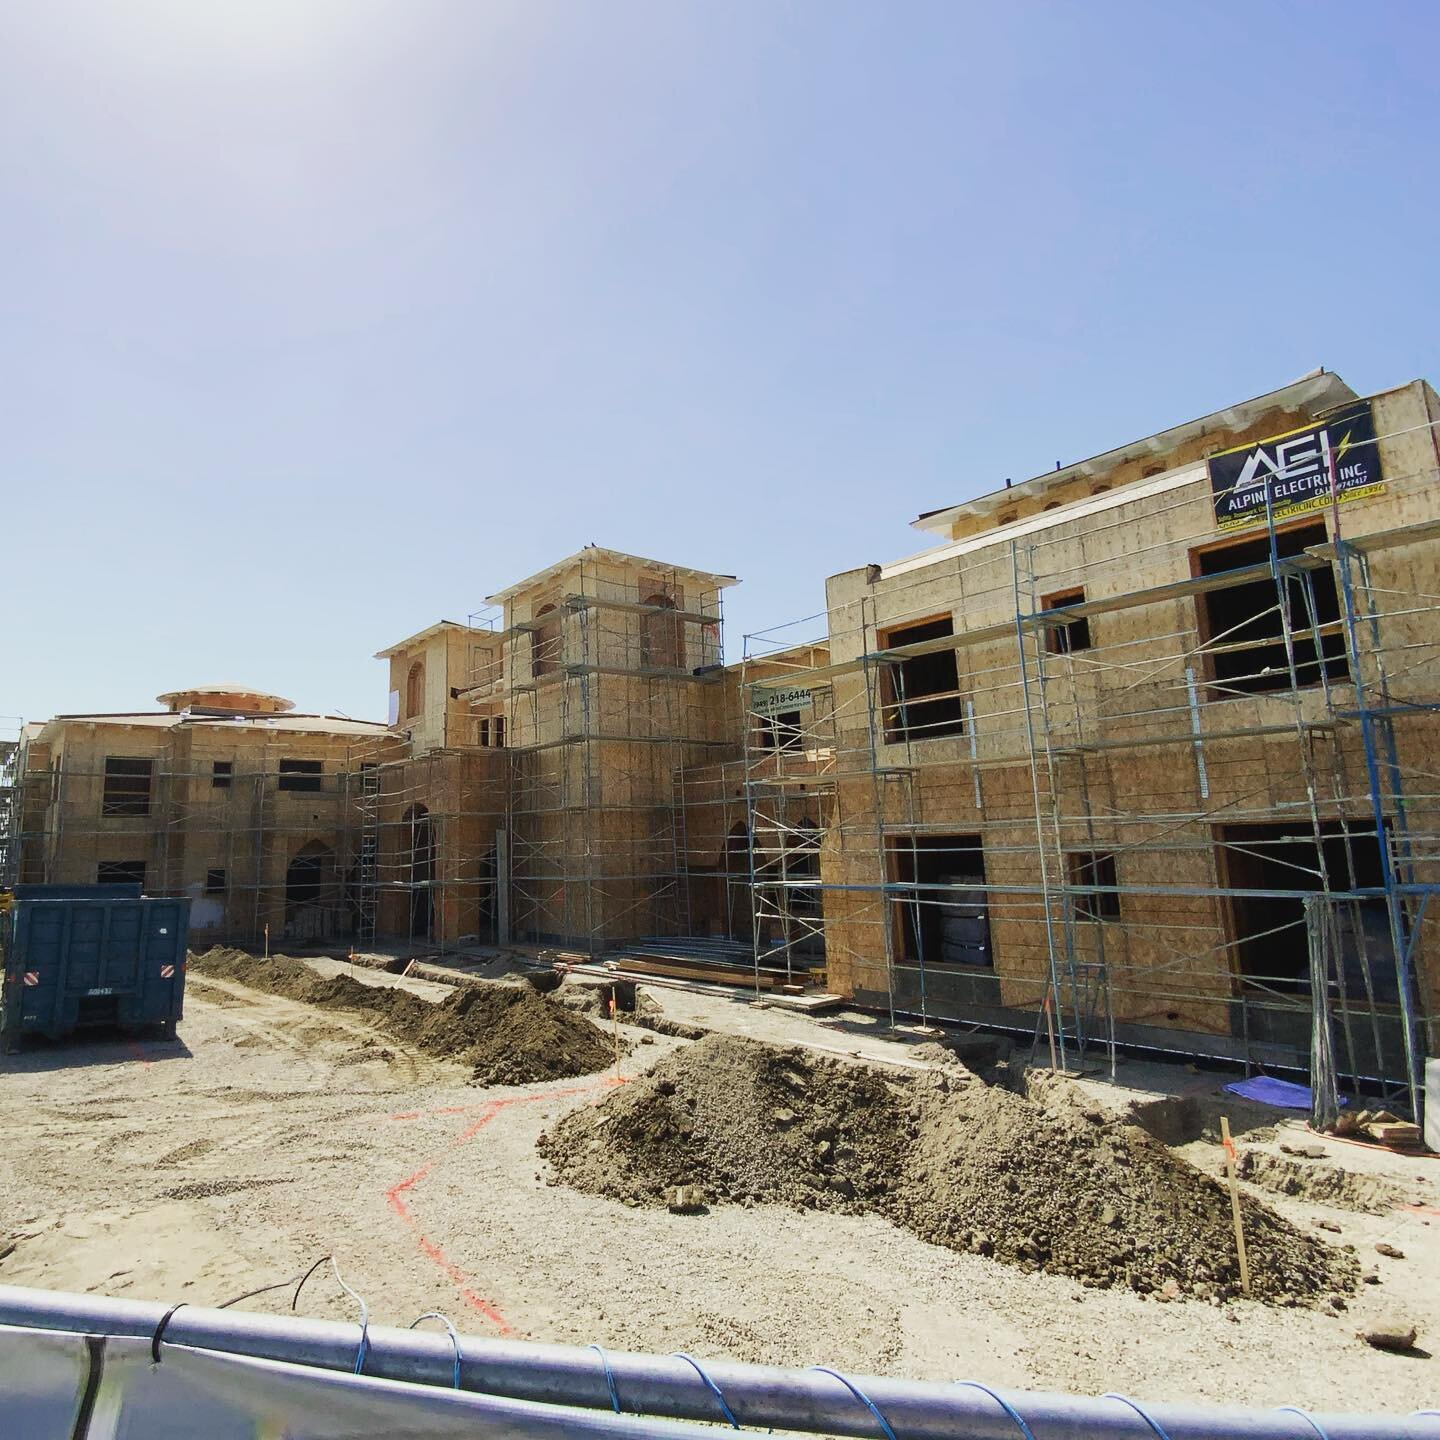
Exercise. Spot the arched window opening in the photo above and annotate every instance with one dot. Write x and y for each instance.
(660, 635)
(415, 689)
(311, 909)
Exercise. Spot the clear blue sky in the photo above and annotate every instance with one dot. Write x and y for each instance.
(323, 319)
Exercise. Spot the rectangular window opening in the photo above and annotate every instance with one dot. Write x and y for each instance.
(781, 732)
(215, 882)
(121, 872)
(1073, 635)
(127, 786)
(1278, 864)
(221, 773)
(1243, 627)
(301, 774)
(920, 695)
(1093, 867)
(943, 926)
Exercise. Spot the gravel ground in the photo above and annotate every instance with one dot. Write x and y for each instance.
(271, 1133)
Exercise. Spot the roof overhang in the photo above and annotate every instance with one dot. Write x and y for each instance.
(1314, 393)
(429, 633)
(617, 557)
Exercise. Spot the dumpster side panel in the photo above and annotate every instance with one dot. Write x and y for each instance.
(89, 959)
(42, 937)
(161, 992)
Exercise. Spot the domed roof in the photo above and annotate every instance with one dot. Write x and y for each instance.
(226, 696)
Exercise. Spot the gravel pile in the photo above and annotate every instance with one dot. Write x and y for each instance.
(1056, 1188)
(507, 1033)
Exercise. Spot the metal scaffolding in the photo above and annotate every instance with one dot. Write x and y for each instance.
(1125, 796)
(607, 693)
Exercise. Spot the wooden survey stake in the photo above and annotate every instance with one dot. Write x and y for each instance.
(615, 1027)
(1229, 1145)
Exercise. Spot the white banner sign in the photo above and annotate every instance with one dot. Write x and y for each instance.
(779, 702)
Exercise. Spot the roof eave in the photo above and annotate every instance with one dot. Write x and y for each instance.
(530, 582)
(1319, 384)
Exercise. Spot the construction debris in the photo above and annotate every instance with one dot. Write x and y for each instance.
(1390, 1334)
(960, 1163)
(507, 1033)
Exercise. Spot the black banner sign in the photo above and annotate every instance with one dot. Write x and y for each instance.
(1290, 474)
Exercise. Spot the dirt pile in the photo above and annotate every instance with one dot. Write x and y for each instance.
(507, 1034)
(960, 1163)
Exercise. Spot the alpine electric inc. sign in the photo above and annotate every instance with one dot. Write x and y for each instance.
(1291, 474)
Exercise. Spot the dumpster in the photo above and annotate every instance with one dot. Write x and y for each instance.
(77, 955)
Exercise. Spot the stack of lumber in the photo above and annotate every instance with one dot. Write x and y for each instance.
(1380, 1126)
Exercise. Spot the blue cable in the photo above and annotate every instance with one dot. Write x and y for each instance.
(454, 1338)
(609, 1376)
(1309, 1419)
(1151, 1422)
(1005, 1405)
(714, 1388)
(861, 1396)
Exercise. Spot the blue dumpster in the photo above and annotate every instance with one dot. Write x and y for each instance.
(91, 955)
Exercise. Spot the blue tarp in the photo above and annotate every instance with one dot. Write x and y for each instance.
(1283, 1094)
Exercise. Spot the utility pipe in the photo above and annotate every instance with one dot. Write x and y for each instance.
(669, 1387)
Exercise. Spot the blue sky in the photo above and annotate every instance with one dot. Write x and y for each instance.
(323, 319)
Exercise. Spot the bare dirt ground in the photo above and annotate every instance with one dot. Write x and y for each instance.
(272, 1133)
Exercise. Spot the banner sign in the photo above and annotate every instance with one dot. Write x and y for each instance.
(779, 702)
(1290, 474)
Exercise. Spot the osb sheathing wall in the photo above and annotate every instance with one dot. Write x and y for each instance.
(462, 796)
(717, 812)
(602, 709)
(452, 660)
(1141, 544)
(251, 828)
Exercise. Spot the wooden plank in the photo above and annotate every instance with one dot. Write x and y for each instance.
(1401, 1132)
(680, 970)
(811, 1004)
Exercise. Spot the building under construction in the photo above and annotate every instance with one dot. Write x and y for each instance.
(1139, 750)
(1135, 753)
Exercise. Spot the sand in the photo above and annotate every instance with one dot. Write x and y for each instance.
(275, 1131)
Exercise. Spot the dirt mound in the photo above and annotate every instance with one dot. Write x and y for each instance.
(961, 1164)
(507, 1033)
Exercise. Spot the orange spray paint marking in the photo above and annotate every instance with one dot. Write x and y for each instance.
(397, 1196)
